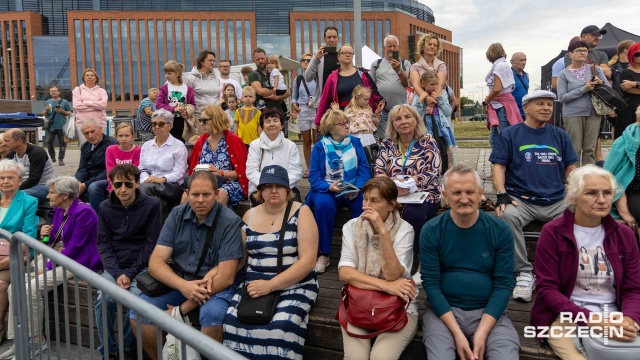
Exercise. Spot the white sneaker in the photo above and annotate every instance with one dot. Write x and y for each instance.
(322, 263)
(525, 283)
(9, 354)
(37, 348)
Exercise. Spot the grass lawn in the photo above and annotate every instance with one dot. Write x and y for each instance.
(471, 129)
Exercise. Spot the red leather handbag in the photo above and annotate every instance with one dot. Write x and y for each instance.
(372, 310)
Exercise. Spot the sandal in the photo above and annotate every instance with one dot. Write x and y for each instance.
(306, 174)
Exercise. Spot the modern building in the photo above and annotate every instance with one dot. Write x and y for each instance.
(47, 42)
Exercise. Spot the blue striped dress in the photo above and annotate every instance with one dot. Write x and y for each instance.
(284, 337)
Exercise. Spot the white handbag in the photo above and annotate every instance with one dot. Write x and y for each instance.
(594, 348)
(173, 345)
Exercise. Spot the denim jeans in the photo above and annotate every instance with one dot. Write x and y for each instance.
(382, 126)
(51, 136)
(503, 123)
(39, 192)
(111, 306)
(97, 192)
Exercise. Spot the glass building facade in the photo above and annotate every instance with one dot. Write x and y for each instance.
(52, 66)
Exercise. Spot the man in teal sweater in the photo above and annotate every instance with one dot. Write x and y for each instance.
(467, 271)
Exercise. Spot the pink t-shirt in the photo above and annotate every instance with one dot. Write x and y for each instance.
(115, 156)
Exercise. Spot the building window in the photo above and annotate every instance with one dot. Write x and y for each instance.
(223, 40)
(314, 31)
(115, 38)
(87, 44)
(108, 56)
(231, 41)
(178, 36)
(308, 36)
(169, 31)
(142, 58)
(135, 59)
(379, 36)
(213, 30)
(299, 35)
(387, 27)
(189, 58)
(124, 37)
(204, 35)
(247, 42)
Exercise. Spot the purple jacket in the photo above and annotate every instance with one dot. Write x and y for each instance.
(556, 266)
(162, 102)
(330, 93)
(79, 234)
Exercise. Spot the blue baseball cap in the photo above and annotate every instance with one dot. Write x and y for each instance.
(274, 174)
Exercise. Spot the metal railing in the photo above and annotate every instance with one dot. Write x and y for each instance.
(21, 274)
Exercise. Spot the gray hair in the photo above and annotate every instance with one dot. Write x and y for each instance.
(10, 165)
(166, 114)
(91, 121)
(65, 185)
(390, 37)
(461, 169)
(575, 185)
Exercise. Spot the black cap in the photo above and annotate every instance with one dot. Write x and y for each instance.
(592, 29)
(274, 174)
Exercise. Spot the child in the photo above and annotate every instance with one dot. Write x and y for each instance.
(435, 111)
(277, 80)
(176, 97)
(247, 119)
(363, 121)
(232, 106)
(227, 90)
(125, 152)
(245, 71)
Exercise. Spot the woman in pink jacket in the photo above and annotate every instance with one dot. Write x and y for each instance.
(89, 102)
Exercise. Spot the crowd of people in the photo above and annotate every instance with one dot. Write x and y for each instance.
(165, 212)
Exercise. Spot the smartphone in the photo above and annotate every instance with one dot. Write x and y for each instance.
(396, 55)
(593, 77)
(330, 49)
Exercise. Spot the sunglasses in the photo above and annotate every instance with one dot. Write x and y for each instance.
(305, 60)
(636, 54)
(118, 184)
(204, 120)
(158, 124)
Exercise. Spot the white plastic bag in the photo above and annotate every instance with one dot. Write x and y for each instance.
(173, 346)
(69, 128)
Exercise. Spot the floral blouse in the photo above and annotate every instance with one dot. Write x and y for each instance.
(362, 121)
(424, 162)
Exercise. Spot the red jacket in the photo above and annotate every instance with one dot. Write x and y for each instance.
(556, 267)
(330, 93)
(237, 155)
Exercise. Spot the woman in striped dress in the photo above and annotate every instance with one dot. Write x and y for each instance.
(284, 336)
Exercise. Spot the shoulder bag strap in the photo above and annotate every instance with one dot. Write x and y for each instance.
(59, 232)
(261, 156)
(283, 229)
(304, 83)
(208, 240)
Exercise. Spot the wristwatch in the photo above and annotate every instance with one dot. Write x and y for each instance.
(638, 84)
(399, 72)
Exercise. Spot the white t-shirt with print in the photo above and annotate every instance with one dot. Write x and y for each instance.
(595, 282)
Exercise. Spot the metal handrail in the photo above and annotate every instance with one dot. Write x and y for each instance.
(186, 334)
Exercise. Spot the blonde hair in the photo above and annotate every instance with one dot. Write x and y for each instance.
(423, 42)
(330, 119)
(275, 59)
(173, 66)
(248, 90)
(428, 76)
(495, 52)
(391, 132)
(123, 125)
(307, 54)
(219, 119)
(622, 46)
(94, 74)
(358, 91)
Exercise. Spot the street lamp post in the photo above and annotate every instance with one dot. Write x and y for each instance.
(482, 94)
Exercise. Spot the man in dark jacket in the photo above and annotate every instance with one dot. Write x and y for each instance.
(92, 171)
(128, 228)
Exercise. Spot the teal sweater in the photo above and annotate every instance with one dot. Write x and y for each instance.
(470, 268)
(621, 161)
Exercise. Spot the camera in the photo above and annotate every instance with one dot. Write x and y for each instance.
(57, 106)
(311, 101)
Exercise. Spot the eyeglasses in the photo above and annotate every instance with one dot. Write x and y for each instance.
(204, 120)
(305, 60)
(345, 123)
(595, 194)
(158, 124)
(581, 51)
(118, 184)
(346, 53)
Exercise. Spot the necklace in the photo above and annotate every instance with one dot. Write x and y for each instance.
(274, 219)
(5, 203)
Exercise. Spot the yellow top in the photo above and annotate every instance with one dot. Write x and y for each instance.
(248, 121)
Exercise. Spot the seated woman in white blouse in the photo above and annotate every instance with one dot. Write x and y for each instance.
(272, 148)
(163, 162)
(377, 254)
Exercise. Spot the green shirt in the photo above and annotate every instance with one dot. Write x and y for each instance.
(59, 119)
(469, 268)
(264, 82)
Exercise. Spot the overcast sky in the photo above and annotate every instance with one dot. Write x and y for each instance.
(540, 29)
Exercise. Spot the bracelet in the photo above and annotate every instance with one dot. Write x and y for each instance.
(222, 173)
(270, 287)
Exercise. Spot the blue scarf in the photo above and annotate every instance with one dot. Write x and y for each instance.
(349, 158)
